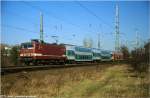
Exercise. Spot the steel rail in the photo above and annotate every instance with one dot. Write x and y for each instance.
(14, 69)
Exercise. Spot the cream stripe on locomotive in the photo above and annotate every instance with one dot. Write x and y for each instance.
(37, 54)
(31, 54)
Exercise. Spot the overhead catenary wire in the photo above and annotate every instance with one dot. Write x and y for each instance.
(25, 17)
(20, 28)
(29, 18)
(17, 28)
(93, 14)
(97, 17)
(51, 14)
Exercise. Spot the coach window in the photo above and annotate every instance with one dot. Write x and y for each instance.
(77, 57)
(68, 53)
(97, 54)
(72, 52)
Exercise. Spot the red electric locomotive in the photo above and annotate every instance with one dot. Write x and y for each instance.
(36, 52)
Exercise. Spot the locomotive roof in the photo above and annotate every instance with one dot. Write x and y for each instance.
(67, 44)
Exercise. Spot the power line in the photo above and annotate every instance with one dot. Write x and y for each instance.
(28, 18)
(52, 15)
(25, 17)
(48, 13)
(92, 13)
(97, 17)
(20, 29)
(17, 28)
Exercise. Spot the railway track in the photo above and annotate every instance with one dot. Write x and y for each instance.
(14, 69)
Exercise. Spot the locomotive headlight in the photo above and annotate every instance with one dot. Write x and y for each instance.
(21, 54)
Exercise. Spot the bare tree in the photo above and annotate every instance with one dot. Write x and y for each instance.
(125, 52)
(88, 42)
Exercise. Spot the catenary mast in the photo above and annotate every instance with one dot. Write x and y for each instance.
(117, 46)
(41, 27)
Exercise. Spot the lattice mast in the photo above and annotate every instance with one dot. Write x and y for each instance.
(98, 40)
(41, 27)
(117, 46)
(137, 38)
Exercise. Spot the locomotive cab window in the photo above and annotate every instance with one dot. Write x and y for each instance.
(26, 45)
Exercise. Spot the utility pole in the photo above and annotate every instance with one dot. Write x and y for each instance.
(137, 38)
(99, 36)
(117, 46)
(98, 40)
(41, 27)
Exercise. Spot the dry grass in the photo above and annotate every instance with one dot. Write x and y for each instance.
(94, 82)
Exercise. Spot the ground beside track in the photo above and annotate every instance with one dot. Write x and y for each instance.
(77, 82)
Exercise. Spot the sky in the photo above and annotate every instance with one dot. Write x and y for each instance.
(75, 21)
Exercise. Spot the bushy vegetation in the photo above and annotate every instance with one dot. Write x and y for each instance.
(125, 51)
(9, 55)
(138, 57)
(14, 55)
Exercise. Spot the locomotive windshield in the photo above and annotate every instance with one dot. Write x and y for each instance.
(26, 45)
